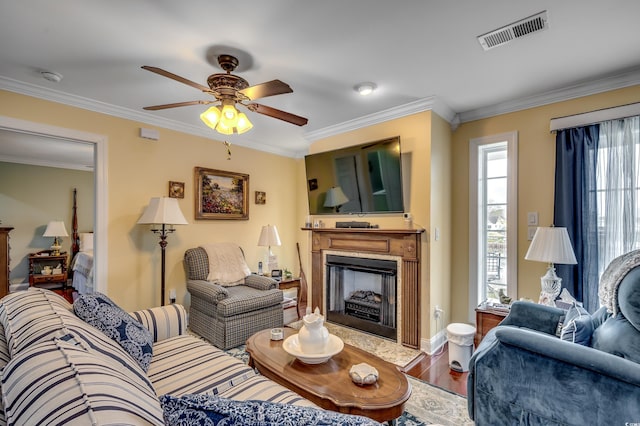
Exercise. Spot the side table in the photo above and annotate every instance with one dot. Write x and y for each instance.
(287, 283)
(487, 317)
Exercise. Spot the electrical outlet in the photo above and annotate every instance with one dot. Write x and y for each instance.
(437, 312)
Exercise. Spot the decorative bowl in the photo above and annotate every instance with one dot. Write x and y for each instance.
(363, 374)
(291, 345)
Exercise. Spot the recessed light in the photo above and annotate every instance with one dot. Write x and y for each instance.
(365, 89)
(51, 76)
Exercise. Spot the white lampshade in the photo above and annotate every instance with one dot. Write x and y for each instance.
(163, 210)
(551, 245)
(269, 236)
(335, 197)
(55, 229)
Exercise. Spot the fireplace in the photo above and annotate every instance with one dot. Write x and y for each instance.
(361, 294)
(401, 246)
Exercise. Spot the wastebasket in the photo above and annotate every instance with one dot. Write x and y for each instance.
(460, 337)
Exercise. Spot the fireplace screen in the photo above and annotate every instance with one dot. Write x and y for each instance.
(361, 293)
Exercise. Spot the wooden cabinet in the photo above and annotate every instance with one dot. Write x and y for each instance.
(486, 318)
(5, 260)
(47, 270)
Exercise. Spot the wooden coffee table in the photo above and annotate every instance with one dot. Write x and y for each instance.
(329, 385)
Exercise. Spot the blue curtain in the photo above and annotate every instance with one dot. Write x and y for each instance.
(576, 209)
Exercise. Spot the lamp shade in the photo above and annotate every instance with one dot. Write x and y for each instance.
(335, 197)
(269, 236)
(55, 229)
(552, 245)
(163, 210)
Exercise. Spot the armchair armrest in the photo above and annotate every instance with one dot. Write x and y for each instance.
(163, 321)
(207, 290)
(534, 317)
(260, 282)
(571, 353)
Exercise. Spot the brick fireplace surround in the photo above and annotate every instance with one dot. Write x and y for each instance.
(402, 243)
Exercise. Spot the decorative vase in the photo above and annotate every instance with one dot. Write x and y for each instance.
(313, 335)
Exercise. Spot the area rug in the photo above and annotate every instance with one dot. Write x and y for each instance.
(428, 405)
(386, 349)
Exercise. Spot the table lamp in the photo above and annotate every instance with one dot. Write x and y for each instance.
(269, 237)
(162, 211)
(551, 245)
(335, 198)
(56, 230)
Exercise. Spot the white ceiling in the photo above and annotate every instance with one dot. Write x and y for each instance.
(421, 54)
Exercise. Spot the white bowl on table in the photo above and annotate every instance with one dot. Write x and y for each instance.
(334, 346)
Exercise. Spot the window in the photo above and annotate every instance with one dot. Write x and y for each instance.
(492, 218)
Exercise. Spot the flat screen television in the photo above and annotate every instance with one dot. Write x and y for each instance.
(359, 179)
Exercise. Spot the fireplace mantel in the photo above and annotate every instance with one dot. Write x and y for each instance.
(403, 243)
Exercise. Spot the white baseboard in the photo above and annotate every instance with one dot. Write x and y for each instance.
(430, 346)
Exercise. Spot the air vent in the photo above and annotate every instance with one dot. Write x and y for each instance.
(504, 35)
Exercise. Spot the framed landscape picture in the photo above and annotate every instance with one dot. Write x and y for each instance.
(221, 194)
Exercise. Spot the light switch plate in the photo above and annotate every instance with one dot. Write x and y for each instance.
(532, 218)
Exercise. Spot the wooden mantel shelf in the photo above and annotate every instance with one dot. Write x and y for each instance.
(403, 243)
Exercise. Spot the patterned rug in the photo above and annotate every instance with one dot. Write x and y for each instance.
(428, 405)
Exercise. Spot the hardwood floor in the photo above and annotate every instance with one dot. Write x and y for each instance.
(435, 369)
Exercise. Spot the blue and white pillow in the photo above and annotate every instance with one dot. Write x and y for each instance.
(578, 326)
(201, 409)
(100, 311)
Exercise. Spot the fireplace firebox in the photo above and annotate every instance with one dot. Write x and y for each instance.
(361, 294)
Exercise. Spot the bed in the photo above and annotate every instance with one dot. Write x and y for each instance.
(81, 256)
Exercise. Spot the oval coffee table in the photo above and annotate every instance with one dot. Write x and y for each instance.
(329, 385)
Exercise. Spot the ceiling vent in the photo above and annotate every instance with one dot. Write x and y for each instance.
(521, 28)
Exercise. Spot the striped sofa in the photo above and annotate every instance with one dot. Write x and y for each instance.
(228, 316)
(57, 369)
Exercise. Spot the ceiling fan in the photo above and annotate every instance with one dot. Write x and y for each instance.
(230, 90)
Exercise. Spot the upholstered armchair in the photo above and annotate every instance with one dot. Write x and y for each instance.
(522, 373)
(228, 303)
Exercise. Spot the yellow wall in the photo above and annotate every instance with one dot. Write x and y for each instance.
(425, 139)
(536, 168)
(31, 197)
(139, 169)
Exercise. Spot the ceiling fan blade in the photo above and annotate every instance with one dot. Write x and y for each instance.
(177, 104)
(270, 88)
(177, 78)
(279, 114)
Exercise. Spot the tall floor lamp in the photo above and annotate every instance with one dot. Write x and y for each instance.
(163, 211)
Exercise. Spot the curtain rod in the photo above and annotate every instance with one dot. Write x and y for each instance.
(593, 117)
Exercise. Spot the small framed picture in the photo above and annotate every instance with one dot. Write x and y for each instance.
(276, 274)
(261, 197)
(176, 189)
(221, 194)
(313, 184)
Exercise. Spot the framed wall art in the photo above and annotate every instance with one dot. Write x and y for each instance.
(261, 197)
(221, 194)
(176, 189)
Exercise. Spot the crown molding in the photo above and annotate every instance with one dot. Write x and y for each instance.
(128, 114)
(592, 87)
(421, 105)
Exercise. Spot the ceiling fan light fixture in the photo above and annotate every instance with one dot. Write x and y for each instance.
(244, 124)
(224, 129)
(365, 89)
(229, 112)
(211, 116)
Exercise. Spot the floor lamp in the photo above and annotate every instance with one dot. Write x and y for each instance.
(163, 211)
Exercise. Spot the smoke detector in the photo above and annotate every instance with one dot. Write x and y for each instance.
(51, 76)
(519, 29)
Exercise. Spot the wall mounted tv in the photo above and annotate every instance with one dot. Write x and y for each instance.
(359, 179)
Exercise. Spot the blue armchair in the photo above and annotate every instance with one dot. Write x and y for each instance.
(523, 374)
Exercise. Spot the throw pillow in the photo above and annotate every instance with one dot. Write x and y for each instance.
(100, 311)
(578, 326)
(200, 409)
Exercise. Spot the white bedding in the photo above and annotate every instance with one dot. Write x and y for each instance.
(82, 266)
